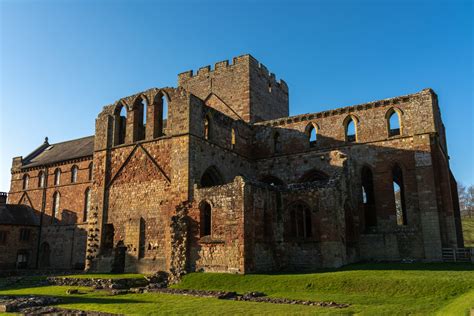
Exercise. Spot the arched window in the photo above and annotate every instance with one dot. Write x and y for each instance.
(211, 177)
(74, 174)
(399, 195)
(26, 180)
(90, 176)
(207, 127)
(205, 219)
(232, 138)
(313, 175)
(121, 125)
(394, 122)
(141, 107)
(57, 176)
(272, 180)
(300, 220)
(41, 179)
(87, 204)
(160, 114)
(312, 132)
(368, 198)
(350, 125)
(55, 208)
(276, 143)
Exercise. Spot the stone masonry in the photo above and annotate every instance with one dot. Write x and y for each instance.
(213, 175)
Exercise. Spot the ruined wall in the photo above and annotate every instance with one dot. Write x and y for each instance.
(223, 250)
(244, 90)
(13, 245)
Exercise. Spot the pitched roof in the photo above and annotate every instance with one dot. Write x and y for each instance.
(16, 214)
(71, 149)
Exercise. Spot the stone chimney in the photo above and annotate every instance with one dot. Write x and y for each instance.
(3, 198)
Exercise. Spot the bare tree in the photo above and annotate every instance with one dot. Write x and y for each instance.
(470, 200)
(463, 198)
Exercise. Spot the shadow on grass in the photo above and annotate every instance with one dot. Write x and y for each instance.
(387, 266)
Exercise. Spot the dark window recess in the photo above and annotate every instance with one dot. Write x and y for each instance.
(3, 237)
(25, 234)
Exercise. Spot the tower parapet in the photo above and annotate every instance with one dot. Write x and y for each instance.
(245, 86)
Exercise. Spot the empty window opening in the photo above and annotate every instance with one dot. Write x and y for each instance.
(270, 87)
(399, 195)
(160, 114)
(87, 204)
(368, 198)
(313, 135)
(314, 175)
(74, 174)
(57, 176)
(394, 124)
(26, 180)
(351, 131)
(55, 208)
(276, 143)
(121, 125)
(41, 179)
(301, 220)
(211, 177)
(207, 128)
(271, 180)
(205, 219)
(141, 107)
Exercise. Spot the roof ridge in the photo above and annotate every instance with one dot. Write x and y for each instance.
(72, 140)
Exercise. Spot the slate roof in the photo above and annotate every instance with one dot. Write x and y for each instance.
(51, 153)
(15, 214)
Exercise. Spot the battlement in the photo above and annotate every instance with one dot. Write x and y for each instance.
(225, 65)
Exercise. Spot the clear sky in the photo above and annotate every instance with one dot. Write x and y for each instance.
(62, 61)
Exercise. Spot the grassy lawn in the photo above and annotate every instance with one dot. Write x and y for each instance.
(371, 289)
(468, 230)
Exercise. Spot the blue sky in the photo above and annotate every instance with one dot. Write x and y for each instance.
(62, 61)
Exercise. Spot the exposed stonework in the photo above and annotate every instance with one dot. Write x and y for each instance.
(213, 175)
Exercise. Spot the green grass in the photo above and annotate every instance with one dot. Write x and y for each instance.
(371, 289)
(105, 276)
(468, 230)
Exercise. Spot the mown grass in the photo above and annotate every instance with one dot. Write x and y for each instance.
(371, 289)
(105, 276)
(468, 231)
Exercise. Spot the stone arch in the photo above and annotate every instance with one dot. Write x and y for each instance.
(368, 198)
(211, 177)
(160, 113)
(312, 131)
(140, 109)
(313, 175)
(396, 113)
(120, 123)
(205, 218)
(399, 194)
(350, 136)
